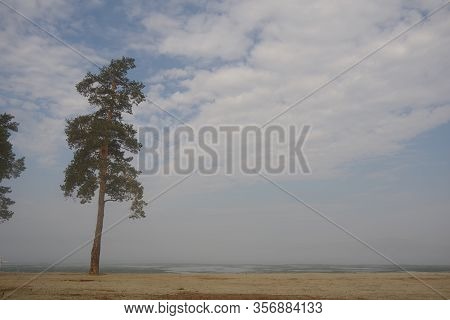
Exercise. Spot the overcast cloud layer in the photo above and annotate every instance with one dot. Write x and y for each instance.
(375, 148)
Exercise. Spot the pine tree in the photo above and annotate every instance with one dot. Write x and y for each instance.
(10, 167)
(103, 145)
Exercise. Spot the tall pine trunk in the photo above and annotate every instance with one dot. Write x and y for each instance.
(96, 246)
(95, 253)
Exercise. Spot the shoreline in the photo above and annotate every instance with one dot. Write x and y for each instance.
(226, 286)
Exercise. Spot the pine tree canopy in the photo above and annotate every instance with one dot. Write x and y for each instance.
(102, 142)
(10, 167)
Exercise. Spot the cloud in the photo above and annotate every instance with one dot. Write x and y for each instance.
(50, 10)
(243, 62)
(281, 52)
(38, 79)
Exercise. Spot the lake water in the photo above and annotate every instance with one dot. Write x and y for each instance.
(216, 268)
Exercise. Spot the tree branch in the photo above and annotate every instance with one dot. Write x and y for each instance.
(111, 200)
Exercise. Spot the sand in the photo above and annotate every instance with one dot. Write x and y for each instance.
(258, 286)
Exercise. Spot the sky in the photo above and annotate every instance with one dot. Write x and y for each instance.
(378, 148)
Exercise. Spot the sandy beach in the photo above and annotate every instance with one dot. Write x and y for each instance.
(225, 286)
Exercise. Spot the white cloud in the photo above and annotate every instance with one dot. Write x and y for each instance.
(282, 51)
(245, 61)
(38, 79)
(40, 9)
